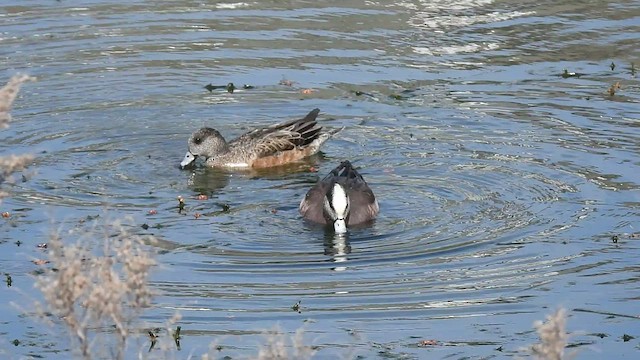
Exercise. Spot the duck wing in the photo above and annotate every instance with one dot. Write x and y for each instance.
(312, 205)
(363, 203)
(283, 136)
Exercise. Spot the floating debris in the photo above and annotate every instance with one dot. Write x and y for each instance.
(8, 280)
(202, 197)
(614, 238)
(229, 87)
(145, 226)
(362, 93)
(88, 218)
(211, 87)
(612, 66)
(285, 82)
(6, 214)
(176, 337)
(633, 69)
(152, 212)
(430, 342)
(42, 246)
(40, 261)
(307, 91)
(180, 204)
(614, 88)
(197, 215)
(626, 337)
(566, 74)
(296, 307)
(154, 339)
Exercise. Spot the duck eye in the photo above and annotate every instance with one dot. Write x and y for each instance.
(197, 140)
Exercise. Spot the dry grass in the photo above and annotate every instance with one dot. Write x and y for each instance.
(12, 163)
(8, 94)
(553, 337)
(278, 346)
(98, 284)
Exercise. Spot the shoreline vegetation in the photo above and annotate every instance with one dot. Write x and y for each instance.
(10, 164)
(95, 284)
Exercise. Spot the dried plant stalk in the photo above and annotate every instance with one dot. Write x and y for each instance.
(8, 93)
(553, 337)
(90, 286)
(277, 347)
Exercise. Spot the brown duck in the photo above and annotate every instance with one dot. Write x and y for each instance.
(264, 147)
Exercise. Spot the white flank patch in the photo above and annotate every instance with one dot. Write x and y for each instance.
(339, 201)
(455, 49)
(231, 5)
(237, 165)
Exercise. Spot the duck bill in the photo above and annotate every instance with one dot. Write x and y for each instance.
(189, 158)
(340, 226)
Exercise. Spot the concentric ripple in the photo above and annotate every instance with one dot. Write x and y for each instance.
(502, 180)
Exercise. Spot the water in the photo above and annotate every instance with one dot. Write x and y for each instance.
(501, 183)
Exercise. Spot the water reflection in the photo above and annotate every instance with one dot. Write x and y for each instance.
(208, 181)
(337, 247)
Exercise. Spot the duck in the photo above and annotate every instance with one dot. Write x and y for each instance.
(263, 147)
(341, 199)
